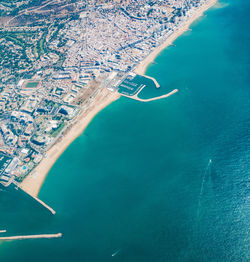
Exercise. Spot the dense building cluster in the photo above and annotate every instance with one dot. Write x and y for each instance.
(52, 67)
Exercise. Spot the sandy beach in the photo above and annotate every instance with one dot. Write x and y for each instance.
(33, 182)
(142, 67)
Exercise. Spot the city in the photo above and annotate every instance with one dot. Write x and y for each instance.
(51, 71)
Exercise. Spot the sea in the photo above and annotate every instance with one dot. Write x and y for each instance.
(163, 181)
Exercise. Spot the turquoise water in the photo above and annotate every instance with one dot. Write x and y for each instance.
(139, 179)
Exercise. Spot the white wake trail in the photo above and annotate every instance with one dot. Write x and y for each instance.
(202, 186)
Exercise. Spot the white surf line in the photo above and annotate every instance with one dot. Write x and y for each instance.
(202, 186)
(31, 237)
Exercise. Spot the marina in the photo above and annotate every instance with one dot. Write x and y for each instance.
(133, 84)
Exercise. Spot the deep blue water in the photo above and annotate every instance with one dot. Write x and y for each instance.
(139, 178)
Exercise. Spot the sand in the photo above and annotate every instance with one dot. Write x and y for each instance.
(33, 182)
(141, 68)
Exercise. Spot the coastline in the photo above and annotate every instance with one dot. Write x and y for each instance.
(34, 181)
(142, 67)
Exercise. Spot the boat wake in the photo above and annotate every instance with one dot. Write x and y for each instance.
(116, 252)
(206, 173)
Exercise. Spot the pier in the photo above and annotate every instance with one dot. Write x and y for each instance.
(31, 237)
(7, 183)
(3, 231)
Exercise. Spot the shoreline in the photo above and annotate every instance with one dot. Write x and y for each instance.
(34, 181)
(142, 67)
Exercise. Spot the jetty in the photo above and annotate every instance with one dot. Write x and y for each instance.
(31, 237)
(36, 199)
(17, 187)
(157, 85)
(135, 97)
(45, 205)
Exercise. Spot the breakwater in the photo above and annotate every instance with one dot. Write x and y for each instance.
(31, 237)
(135, 97)
(45, 205)
(39, 201)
